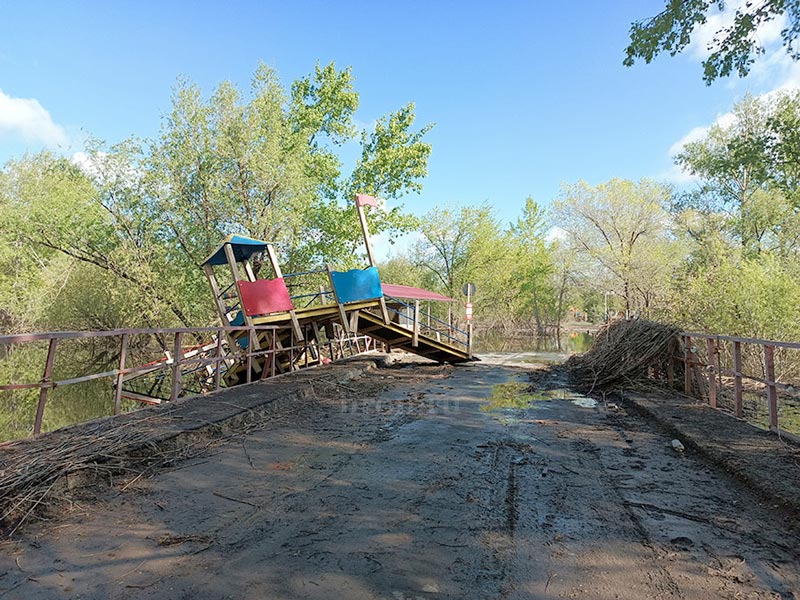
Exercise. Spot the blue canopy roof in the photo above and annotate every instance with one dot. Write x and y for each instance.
(243, 248)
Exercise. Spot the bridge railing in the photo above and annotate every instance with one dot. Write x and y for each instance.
(430, 326)
(208, 354)
(754, 379)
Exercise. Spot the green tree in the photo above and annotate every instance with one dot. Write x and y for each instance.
(733, 48)
(266, 164)
(748, 167)
(615, 225)
(468, 244)
(534, 267)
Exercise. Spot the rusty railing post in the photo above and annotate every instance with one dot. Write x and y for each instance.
(712, 376)
(45, 386)
(737, 374)
(123, 352)
(177, 356)
(772, 390)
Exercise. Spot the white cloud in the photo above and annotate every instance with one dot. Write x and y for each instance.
(25, 118)
(86, 164)
(677, 176)
(556, 234)
(767, 34)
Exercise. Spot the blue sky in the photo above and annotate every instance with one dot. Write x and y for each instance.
(525, 95)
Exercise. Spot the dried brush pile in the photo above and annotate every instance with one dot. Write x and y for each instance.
(37, 473)
(626, 353)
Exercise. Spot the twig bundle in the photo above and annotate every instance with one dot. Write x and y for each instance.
(625, 352)
(32, 470)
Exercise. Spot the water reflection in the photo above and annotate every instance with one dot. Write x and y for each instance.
(574, 342)
(516, 395)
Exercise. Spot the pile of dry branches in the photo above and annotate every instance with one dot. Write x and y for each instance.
(626, 353)
(43, 473)
(36, 473)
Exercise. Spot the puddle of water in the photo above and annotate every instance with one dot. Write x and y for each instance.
(506, 397)
(513, 394)
(584, 402)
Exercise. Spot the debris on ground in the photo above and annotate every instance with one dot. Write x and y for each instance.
(625, 353)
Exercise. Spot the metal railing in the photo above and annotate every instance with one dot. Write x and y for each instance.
(452, 335)
(219, 356)
(717, 367)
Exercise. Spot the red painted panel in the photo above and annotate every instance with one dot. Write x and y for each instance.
(265, 296)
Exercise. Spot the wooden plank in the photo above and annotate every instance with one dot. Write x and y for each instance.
(772, 391)
(737, 373)
(176, 366)
(123, 351)
(362, 219)
(48, 370)
(712, 377)
(687, 369)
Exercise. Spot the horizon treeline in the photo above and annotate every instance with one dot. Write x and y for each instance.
(114, 237)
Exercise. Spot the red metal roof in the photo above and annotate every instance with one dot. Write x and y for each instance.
(406, 291)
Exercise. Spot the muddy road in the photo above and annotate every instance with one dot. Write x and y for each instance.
(448, 484)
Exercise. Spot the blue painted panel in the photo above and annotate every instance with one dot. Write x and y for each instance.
(356, 285)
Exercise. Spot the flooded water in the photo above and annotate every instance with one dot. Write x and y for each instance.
(508, 398)
(569, 343)
(525, 351)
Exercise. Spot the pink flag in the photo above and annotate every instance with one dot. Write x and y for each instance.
(364, 200)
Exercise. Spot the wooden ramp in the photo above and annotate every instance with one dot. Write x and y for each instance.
(403, 338)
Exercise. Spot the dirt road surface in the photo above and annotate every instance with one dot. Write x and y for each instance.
(448, 484)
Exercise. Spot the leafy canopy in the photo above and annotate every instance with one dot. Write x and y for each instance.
(733, 47)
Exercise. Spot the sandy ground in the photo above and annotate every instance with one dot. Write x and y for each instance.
(421, 492)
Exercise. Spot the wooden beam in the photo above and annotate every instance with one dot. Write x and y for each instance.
(362, 218)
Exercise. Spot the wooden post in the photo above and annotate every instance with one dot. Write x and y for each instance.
(250, 345)
(342, 314)
(48, 370)
(218, 356)
(177, 356)
(737, 374)
(123, 351)
(385, 311)
(712, 376)
(291, 351)
(235, 273)
(772, 390)
(362, 199)
(248, 268)
(276, 267)
(273, 352)
(687, 367)
(220, 303)
(415, 336)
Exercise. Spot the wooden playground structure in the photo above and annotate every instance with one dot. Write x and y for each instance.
(268, 330)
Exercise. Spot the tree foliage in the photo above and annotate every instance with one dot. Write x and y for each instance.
(622, 227)
(734, 46)
(145, 213)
